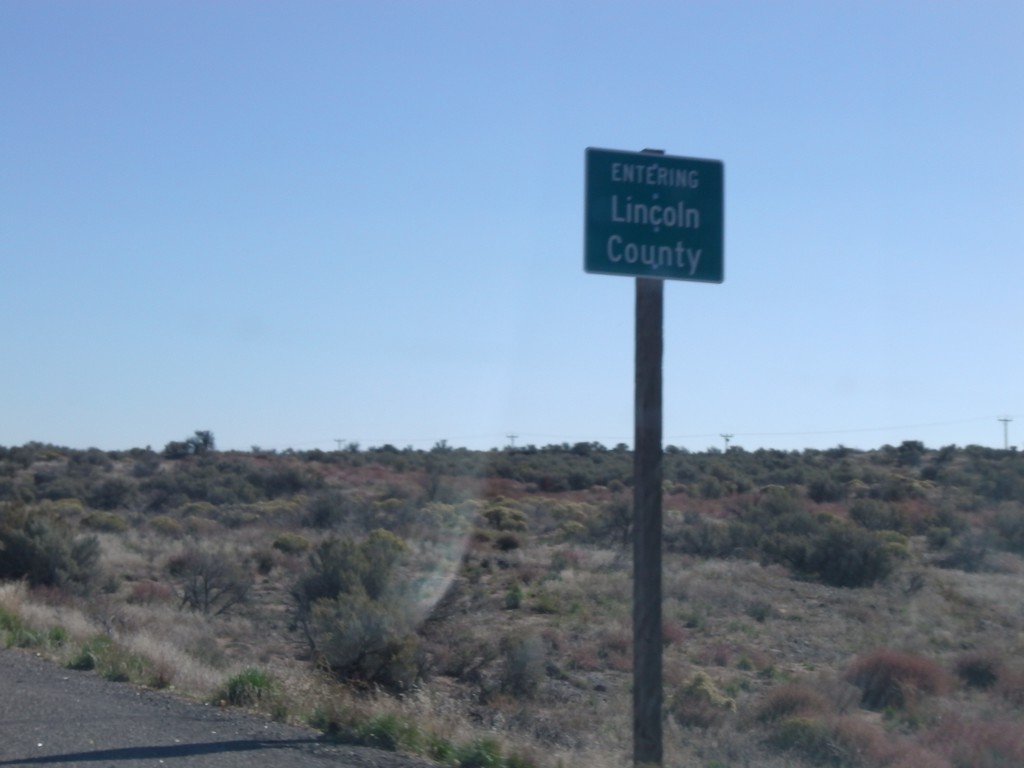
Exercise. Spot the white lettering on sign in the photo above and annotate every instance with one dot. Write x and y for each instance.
(656, 215)
(653, 256)
(654, 175)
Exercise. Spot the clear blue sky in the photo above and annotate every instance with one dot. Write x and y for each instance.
(295, 222)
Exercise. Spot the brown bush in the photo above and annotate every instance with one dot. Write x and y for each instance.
(980, 744)
(858, 742)
(1011, 686)
(148, 592)
(791, 700)
(889, 678)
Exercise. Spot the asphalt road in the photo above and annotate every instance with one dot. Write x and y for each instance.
(51, 716)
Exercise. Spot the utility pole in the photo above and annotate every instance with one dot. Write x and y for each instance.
(727, 438)
(512, 440)
(1006, 431)
(339, 441)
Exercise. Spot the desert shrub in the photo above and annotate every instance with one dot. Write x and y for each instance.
(264, 560)
(8, 489)
(44, 551)
(210, 582)
(145, 465)
(237, 515)
(112, 493)
(120, 666)
(778, 527)
(92, 654)
(809, 737)
(711, 488)
(277, 482)
(564, 559)
(699, 704)
(504, 517)
(351, 614)
(672, 632)
(897, 488)
(1011, 685)
(167, 526)
(705, 537)
(845, 556)
(613, 521)
(878, 515)
(506, 542)
(514, 597)
(201, 526)
(939, 537)
(292, 543)
(978, 669)
(65, 509)
(547, 602)
(997, 743)
(524, 663)
(365, 641)
(482, 753)
(54, 486)
(14, 632)
(329, 509)
(203, 509)
(387, 731)
(894, 679)
(1009, 525)
(759, 610)
(968, 553)
(148, 592)
(845, 742)
(109, 522)
(249, 688)
(825, 489)
(791, 700)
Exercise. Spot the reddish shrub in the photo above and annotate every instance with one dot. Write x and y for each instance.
(585, 659)
(980, 744)
(672, 633)
(717, 654)
(858, 742)
(791, 699)
(149, 592)
(889, 678)
(1011, 686)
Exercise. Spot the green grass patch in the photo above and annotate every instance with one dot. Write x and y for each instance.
(249, 688)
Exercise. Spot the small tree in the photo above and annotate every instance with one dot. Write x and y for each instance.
(200, 443)
(210, 582)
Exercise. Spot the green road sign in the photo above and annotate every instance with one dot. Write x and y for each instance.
(650, 215)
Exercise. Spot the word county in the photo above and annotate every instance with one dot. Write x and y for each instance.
(654, 213)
